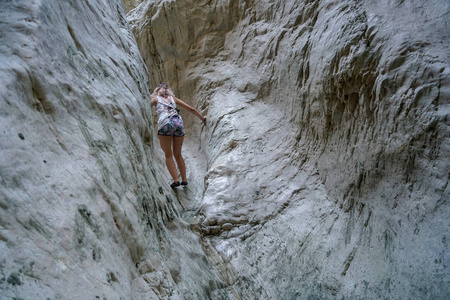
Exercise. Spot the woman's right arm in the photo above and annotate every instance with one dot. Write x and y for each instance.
(190, 109)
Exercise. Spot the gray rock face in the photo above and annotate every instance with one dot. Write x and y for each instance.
(322, 171)
(327, 144)
(85, 212)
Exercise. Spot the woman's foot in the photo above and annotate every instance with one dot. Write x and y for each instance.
(175, 184)
(183, 183)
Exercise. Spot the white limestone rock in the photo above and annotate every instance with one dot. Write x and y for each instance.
(85, 208)
(327, 140)
(322, 172)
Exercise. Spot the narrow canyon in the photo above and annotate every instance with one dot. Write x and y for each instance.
(322, 171)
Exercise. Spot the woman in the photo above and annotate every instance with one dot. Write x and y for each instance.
(171, 129)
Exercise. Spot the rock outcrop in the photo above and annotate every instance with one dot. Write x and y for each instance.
(327, 143)
(84, 210)
(322, 171)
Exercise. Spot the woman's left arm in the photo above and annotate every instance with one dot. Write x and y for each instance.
(154, 100)
(190, 109)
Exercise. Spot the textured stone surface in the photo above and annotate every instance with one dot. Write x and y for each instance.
(130, 4)
(322, 171)
(327, 144)
(84, 210)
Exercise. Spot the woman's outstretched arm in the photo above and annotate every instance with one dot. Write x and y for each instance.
(190, 109)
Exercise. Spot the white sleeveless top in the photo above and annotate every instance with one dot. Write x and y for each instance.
(165, 109)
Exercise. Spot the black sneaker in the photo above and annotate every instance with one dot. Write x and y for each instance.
(175, 184)
(183, 183)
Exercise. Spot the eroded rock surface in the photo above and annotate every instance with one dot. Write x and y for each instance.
(322, 171)
(327, 143)
(84, 210)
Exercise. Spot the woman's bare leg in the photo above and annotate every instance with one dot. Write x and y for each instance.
(166, 146)
(177, 145)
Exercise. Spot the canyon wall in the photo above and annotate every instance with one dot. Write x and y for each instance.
(327, 140)
(322, 172)
(84, 210)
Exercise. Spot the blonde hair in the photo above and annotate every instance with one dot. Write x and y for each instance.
(165, 90)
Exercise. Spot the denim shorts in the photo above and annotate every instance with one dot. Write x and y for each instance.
(173, 128)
